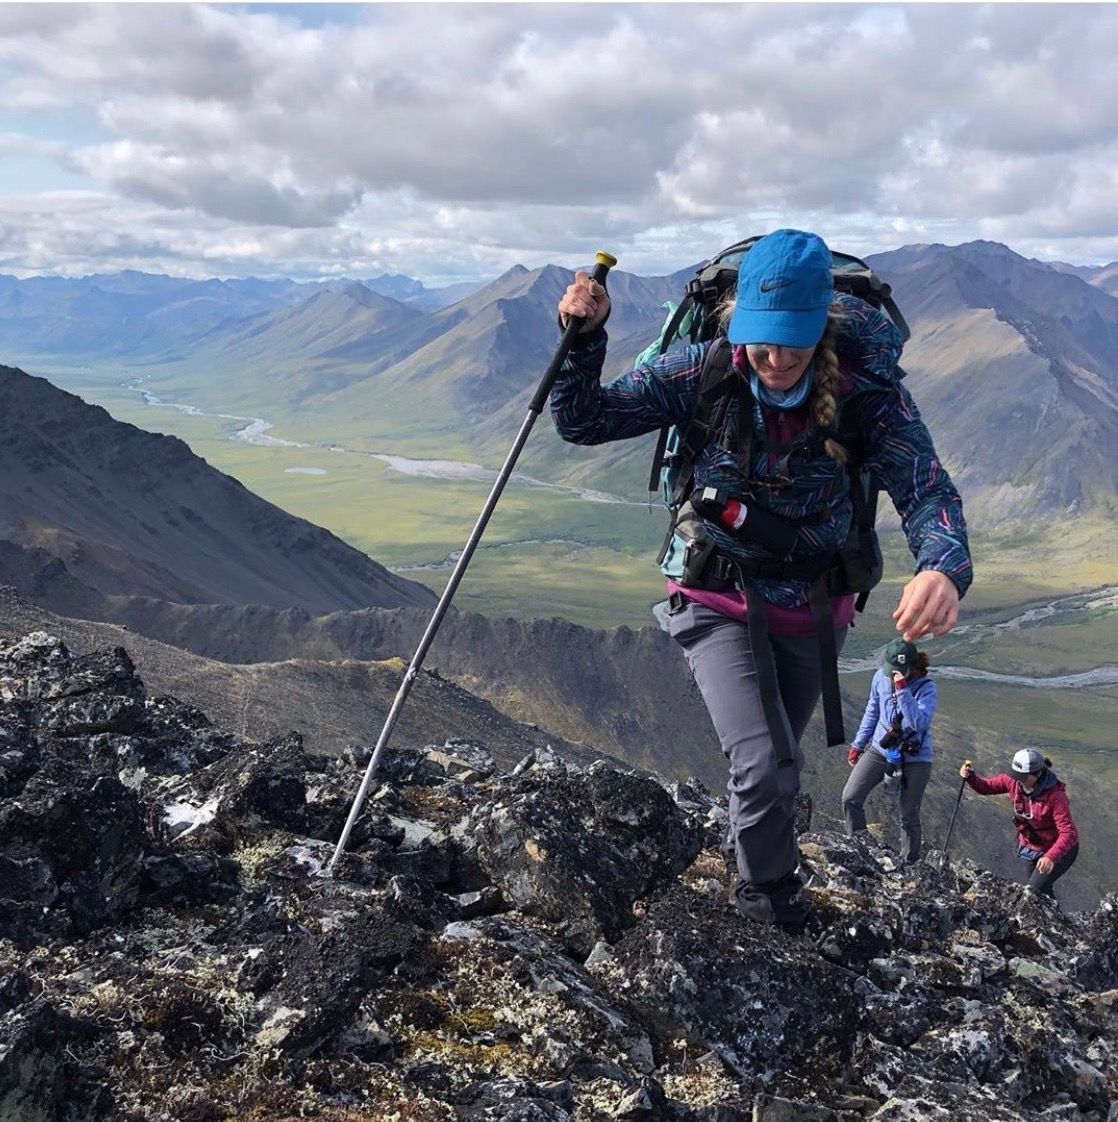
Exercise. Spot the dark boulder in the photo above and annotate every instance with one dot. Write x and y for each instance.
(72, 846)
(580, 848)
(40, 1080)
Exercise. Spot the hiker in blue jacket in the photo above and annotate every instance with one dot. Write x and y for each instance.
(893, 744)
(744, 612)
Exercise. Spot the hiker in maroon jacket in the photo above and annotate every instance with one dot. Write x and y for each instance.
(1047, 839)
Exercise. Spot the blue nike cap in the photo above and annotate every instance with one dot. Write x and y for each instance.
(785, 287)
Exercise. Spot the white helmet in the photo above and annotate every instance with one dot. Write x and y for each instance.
(1028, 761)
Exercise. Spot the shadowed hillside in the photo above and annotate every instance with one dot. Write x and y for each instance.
(1015, 367)
(100, 508)
(331, 704)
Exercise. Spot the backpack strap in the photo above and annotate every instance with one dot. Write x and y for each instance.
(864, 485)
(716, 382)
(820, 600)
(764, 664)
(668, 335)
(657, 462)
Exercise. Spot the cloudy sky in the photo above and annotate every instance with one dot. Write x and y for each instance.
(449, 142)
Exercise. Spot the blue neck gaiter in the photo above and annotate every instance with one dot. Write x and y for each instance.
(791, 398)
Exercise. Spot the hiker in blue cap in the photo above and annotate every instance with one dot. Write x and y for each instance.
(893, 744)
(745, 609)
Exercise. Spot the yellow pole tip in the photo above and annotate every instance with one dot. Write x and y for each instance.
(603, 258)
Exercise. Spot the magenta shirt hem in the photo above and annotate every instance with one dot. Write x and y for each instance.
(781, 621)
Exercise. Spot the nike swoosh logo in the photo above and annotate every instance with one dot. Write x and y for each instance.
(768, 286)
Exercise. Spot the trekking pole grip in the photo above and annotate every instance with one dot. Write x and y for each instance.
(603, 263)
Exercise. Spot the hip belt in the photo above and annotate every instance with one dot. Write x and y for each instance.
(722, 572)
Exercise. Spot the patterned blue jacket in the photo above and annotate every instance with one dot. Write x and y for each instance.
(799, 481)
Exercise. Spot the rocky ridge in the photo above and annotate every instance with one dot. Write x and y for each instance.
(549, 944)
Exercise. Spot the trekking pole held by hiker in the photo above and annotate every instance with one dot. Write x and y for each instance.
(604, 262)
(962, 786)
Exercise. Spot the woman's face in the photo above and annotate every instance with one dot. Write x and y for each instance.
(1029, 781)
(779, 368)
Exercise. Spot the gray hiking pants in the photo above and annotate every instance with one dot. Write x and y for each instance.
(762, 795)
(866, 774)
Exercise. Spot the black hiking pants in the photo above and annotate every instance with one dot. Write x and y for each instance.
(1041, 883)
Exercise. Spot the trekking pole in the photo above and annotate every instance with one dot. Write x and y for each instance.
(604, 262)
(951, 826)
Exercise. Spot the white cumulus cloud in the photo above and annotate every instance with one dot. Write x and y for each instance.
(451, 140)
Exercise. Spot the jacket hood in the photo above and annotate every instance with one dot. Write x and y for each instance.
(871, 342)
(1048, 781)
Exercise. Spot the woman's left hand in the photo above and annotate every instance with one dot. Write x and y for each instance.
(929, 605)
(1044, 865)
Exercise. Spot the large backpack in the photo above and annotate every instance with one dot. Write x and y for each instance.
(858, 566)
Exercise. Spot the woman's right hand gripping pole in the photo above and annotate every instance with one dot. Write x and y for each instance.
(587, 298)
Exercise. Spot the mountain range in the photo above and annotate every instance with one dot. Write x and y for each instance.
(130, 313)
(1014, 363)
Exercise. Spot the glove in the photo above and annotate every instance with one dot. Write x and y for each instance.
(894, 756)
(854, 755)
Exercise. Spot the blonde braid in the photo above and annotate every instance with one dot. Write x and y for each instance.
(823, 405)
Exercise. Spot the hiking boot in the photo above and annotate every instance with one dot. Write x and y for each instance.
(789, 903)
(779, 903)
(753, 903)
